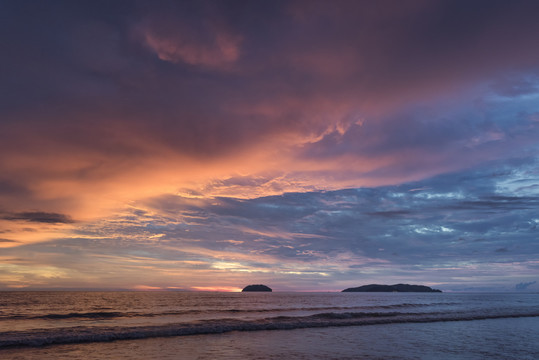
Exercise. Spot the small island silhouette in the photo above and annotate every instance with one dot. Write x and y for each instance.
(256, 288)
(392, 288)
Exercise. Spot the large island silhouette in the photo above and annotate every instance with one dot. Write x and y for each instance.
(392, 288)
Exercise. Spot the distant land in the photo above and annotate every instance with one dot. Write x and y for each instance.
(392, 288)
(256, 288)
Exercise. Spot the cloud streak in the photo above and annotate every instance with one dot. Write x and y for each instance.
(39, 217)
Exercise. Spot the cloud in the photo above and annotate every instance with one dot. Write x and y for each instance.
(334, 236)
(7, 241)
(10, 188)
(515, 86)
(275, 113)
(223, 50)
(292, 132)
(326, 238)
(200, 39)
(39, 217)
(524, 285)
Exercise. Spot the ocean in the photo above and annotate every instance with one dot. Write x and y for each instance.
(211, 325)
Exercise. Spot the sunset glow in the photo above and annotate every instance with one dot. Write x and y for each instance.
(306, 145)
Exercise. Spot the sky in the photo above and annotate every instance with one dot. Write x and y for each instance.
(305, 145)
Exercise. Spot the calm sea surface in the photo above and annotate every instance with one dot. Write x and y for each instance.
(190, 325)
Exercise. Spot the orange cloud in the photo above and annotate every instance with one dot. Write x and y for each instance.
(208, 43)
(223, 51)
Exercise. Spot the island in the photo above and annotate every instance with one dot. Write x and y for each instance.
(256, 288)
(392, 288)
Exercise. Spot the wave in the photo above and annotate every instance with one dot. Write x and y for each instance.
(116, 314)
(81, 334)
(73, 315)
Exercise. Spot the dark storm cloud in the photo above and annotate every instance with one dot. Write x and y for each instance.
(97, 86)
(104, 83)
(39, 217)
(67, 57)
(419, 44)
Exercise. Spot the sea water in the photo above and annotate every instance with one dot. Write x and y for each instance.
(203, 325)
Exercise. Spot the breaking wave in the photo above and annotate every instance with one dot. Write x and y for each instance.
(81, 334)
(117, 314)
